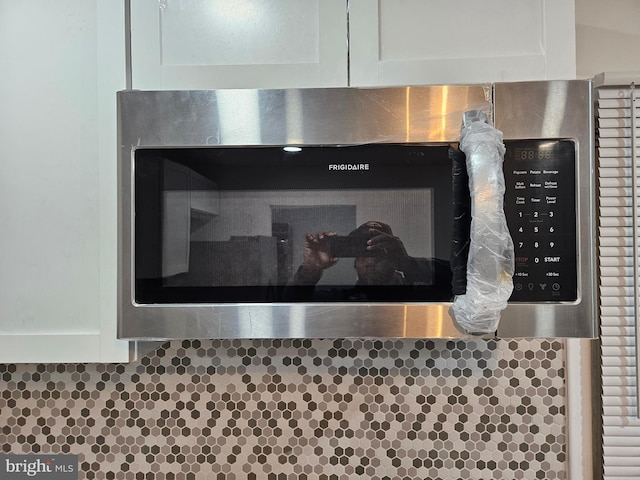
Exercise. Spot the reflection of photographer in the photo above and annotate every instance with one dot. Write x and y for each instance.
(380, 258)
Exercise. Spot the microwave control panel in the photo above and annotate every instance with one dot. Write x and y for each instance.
(540, 207)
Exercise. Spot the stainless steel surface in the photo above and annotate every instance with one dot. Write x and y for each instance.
(556, 109)
(346, 116)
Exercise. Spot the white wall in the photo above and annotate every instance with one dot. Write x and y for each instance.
(607, 36)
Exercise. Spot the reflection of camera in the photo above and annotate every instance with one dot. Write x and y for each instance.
(349, 246)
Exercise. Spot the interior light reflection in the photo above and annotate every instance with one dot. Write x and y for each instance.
(292, 149)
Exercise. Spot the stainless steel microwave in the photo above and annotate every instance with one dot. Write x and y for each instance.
(332, 212)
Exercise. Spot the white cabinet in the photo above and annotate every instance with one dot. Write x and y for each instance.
(181, 44)
(184, 44)
(61, 65)
(394, 42)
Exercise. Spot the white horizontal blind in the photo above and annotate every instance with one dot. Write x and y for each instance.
(618, 161)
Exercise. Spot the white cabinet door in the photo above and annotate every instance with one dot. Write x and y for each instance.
(61, 65)
(395, 42)
(204, 44)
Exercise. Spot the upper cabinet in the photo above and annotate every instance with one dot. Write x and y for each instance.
(460, 41)
(61, 66)
(182, 44)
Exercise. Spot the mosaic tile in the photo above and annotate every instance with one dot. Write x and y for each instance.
(299, 409)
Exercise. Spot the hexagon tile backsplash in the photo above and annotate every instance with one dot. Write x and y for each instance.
(299, 409)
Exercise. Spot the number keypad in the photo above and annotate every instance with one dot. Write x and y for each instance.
(540, 207)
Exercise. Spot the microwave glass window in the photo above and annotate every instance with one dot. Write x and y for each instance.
(367, 223)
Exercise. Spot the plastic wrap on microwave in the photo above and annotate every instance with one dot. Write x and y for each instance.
(490, 263)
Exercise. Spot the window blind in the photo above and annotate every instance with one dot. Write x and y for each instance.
(618, 165)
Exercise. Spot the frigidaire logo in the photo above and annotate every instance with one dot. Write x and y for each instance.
(51, 467)
(348, 166)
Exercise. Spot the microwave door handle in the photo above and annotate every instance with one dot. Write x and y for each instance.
(461, 228)
(490, 264)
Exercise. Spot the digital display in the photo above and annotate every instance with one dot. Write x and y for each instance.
(530, 154)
